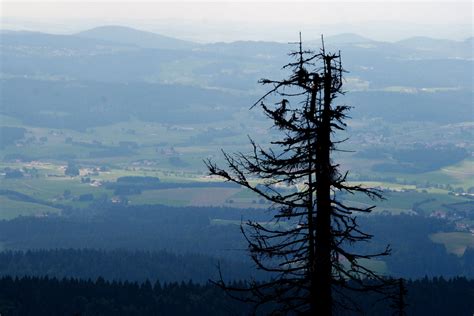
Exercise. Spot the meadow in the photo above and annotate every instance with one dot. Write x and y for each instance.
(175, 154)
(455, 242)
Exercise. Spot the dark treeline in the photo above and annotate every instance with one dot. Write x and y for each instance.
(81, 103)
(436, 296)
(417, 159)
(9, 135)
(77, 106)
(17, 196)
(158, 227)
(146, 227)
(414, 254)
(121, 265)
(50, 296)
(135, 185)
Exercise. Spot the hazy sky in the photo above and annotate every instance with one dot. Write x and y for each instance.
(266, 20)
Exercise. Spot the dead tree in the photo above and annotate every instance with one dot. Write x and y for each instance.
(399, 303)
(306, 247)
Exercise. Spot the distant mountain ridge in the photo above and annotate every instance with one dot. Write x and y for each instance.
(34, 39)
(128, 36)
(77, 72)
(131, 36)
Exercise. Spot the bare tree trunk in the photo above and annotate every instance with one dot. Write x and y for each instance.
(323, 273)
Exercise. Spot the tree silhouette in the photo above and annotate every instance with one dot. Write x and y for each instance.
(306, 247)
(399, 304)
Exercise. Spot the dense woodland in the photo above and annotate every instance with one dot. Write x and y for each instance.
(154, 228)
(50, 296)
(130, 265)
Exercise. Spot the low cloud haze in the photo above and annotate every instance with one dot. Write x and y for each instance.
(230, 21)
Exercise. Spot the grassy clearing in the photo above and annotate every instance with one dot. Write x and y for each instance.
(383, 185)
(10, 209)
(463, 172)
(272, 225)
(456, 178)
(212, 196)
(51, 183)
(49, 189)
(398, 202)
(221, 222)
(378, 266)
(245, 194)
(172, 197)
(185, 196)
(156, 141)
(9, 121)
(455, 242)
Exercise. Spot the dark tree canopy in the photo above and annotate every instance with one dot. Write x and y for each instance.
(71, 170)
(50, 297)
(307, 245)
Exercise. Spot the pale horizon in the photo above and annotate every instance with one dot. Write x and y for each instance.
(230, 21)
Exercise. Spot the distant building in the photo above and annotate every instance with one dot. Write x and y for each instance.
(438, 214)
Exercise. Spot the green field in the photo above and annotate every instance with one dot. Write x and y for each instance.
(379, 266)
(185, 196)
(404, 202)
(218, 221)
(175, 153)
(10, 209)
(455, 242)
(51, 183)
(50, 189)
(462, 172)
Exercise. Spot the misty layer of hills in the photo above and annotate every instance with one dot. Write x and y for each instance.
(111, 74)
